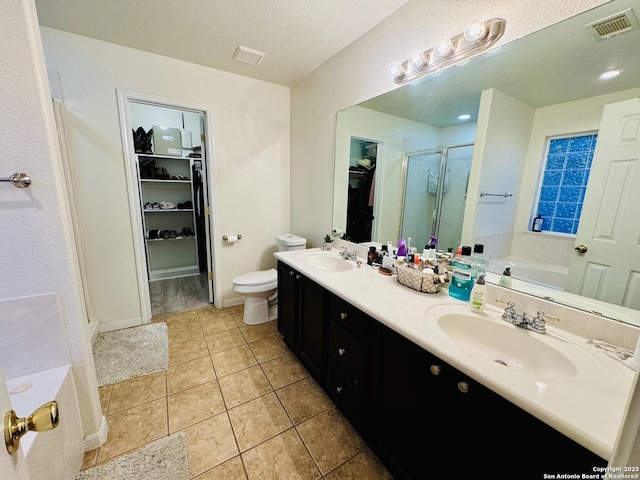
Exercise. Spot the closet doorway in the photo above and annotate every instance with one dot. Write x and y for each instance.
(168, 167)
(364, 156)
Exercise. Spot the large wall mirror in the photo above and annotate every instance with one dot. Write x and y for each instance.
(545, 135)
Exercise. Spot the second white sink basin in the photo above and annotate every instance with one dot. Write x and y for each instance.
(328, 261)
(503, 343)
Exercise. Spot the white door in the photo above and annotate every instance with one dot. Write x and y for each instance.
(609, 270)
(12, 466)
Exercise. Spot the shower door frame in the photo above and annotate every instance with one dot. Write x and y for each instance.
(444, 152)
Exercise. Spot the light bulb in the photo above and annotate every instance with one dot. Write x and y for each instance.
(396, 69)
(464, 116)
(475, 30)
(443, 47)
(418, 58)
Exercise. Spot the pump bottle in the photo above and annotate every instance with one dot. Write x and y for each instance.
(479, 295)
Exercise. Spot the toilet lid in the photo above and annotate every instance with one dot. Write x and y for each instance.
(257, 278)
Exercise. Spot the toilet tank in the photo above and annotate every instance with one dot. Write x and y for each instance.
(287, 241)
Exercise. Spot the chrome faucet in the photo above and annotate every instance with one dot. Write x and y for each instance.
(347, 255)
(538, 324)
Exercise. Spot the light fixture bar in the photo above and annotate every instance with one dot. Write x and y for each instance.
(461, 49)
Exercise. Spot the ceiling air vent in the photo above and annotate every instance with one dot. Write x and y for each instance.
(247, 55)
(613, 25)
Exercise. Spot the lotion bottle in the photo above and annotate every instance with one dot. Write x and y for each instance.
(505, 279)
(479, 295)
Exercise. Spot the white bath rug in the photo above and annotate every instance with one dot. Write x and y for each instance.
(163, 459)
(131, 352)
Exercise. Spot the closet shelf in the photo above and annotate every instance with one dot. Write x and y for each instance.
(168, 210)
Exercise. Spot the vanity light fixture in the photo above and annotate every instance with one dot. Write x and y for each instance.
(477, 38)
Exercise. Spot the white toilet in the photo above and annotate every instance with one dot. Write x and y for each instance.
(261, 288)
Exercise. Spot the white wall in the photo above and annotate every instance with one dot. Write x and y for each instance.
(38, 254)
(250, 142)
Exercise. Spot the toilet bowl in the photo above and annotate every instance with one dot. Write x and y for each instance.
(260, 288)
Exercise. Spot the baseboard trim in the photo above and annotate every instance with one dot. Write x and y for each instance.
(111, 326)
(233, 302)
(95, 440)
(94, 328)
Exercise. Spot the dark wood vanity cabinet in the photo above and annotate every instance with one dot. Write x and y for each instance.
(422, 417)
(302, 318)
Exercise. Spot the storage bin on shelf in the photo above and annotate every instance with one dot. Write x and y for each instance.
(421, 280)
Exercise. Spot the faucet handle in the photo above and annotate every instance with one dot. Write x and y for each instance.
(509, 305)
(541, 316)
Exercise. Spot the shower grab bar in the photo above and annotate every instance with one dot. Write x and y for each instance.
(20, 180)
(505, 195)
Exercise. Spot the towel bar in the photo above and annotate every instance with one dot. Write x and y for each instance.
(20, 180)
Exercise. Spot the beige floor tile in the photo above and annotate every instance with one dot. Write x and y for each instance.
(257, 332)
(217, 322)
(89, 459)
(269, 347)
(105, 397)
(212, 311)
(282, 457)
(189, 374)
(233, 360)
(331, 440)
(243, 386)
(258, 420)
(194, 404)
(225, 340)
(210, 443)
(304, 399)
(187, 316)
(133, 428)
(284, 371)
(184, 351)
(230, 470)
(364, 465)
(136, 391)
(184, 331)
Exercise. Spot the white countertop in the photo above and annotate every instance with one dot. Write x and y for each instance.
(587, 407)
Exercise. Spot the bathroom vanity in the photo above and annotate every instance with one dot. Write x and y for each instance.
(416, 389)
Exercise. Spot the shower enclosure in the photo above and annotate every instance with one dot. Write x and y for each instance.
(435, 193)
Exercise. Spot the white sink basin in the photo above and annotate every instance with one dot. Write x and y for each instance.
(328, 261)
(500, 342)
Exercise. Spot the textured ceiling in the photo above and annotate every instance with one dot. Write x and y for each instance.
(296, 35)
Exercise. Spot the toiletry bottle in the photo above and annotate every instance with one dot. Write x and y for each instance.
(479, 261)
(479, 295)
(537, 224)
(461, 277)
(402, 248)
(505, 279)
(371, 256)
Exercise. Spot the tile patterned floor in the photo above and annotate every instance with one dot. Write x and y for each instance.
(248, 408)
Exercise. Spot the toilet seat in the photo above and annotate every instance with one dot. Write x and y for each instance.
(260, 281)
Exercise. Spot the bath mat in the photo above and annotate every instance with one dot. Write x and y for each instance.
(131, 352)
(163, 459)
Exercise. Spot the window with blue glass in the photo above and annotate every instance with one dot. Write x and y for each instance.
(564, 182)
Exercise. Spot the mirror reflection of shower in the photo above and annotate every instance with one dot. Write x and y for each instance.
(435, 193)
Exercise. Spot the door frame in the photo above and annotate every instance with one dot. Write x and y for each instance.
(125, 97)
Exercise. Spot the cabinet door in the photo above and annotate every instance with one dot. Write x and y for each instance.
(311, 325)
(287, 304)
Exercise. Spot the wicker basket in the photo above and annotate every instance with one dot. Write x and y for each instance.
(422, 281)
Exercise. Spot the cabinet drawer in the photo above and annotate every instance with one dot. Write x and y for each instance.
(344, 393)
(347, 352)
(349, 317)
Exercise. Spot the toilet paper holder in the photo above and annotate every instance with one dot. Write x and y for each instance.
(226, 237)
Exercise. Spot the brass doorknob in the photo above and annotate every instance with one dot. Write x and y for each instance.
(581, 248)
(44, 418)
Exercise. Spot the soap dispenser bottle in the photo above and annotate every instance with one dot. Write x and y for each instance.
(505, 279)
(479, 295)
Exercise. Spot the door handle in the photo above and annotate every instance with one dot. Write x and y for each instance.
(46, 417)
(581, 249)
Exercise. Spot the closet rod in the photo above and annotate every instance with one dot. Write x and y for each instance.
(20, 180)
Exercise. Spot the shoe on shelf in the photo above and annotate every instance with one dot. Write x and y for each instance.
(185, 205)
(165, 234)
(167, 205)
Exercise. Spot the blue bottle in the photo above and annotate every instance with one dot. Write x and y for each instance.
(461, 281)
